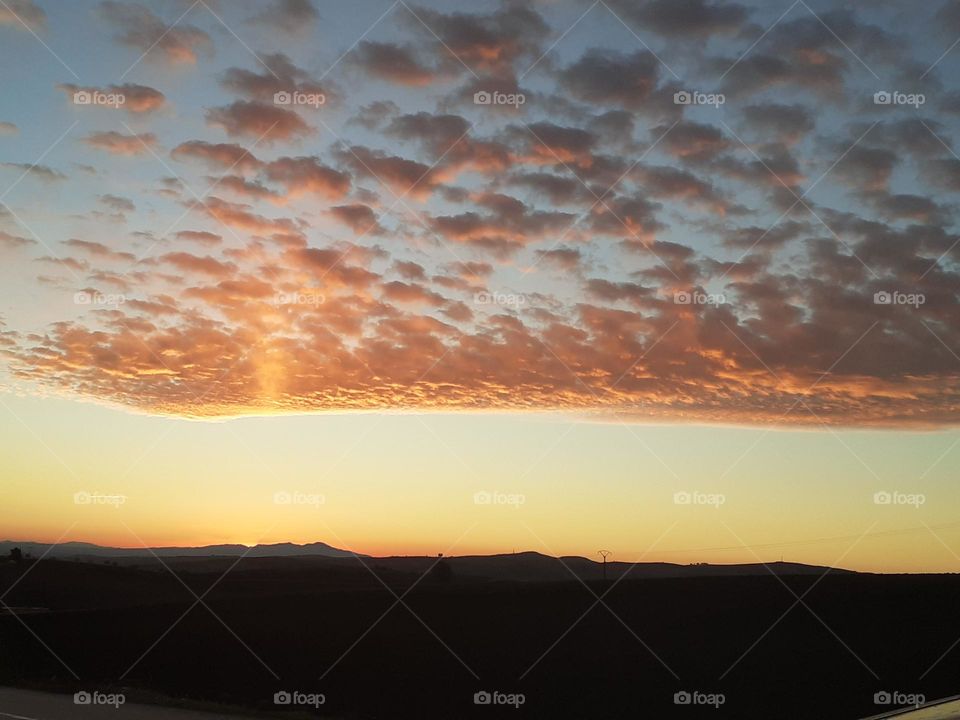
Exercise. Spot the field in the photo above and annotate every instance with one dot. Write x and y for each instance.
(338, 629)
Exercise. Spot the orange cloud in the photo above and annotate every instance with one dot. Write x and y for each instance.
(118, 144)
(132, 98)
(307, 175)
(224, 156)
(257, 120)
(139, 28)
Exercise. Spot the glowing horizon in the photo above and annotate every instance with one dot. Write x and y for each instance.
(405, 485)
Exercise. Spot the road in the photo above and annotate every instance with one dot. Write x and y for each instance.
(30, 705)
(946, 709)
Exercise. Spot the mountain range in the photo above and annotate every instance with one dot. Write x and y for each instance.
(83, 549)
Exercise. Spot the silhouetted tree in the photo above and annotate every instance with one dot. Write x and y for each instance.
(16, 555)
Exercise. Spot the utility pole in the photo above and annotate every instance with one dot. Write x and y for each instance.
(604, 554)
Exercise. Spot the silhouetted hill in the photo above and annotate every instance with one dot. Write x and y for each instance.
(534, 566)
(82, 549)
(523, 566)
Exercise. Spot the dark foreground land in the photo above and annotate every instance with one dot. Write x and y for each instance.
(332, 627)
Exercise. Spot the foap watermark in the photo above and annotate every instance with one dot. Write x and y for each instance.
(88, 498)
(295, 697)
(296, 97)
(696, 697)
(495, 497)
(895, 497)
(98, 298)
(482, 97)
(300, 297)
(695, 97)
(887, 97)
(695, 497)
(884, 297)
(286, 497)
(95, 697)
(495, 697)
(694, 297)
(898, 698)
(96, 97)
(500, 298)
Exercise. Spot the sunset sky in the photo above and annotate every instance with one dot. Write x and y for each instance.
(660, 277)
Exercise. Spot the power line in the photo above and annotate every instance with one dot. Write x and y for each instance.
(604, 554)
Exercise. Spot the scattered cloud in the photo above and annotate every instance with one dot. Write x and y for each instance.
(117, 143)
(139, 28)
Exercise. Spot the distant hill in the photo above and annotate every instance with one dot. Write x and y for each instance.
(523, 566)
(82, 549)
(534, 566)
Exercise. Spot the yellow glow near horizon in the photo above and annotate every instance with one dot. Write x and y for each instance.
(405, 485)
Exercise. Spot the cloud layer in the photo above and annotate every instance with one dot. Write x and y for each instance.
(725, 223)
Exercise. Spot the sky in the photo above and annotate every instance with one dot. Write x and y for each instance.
(673, 279)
